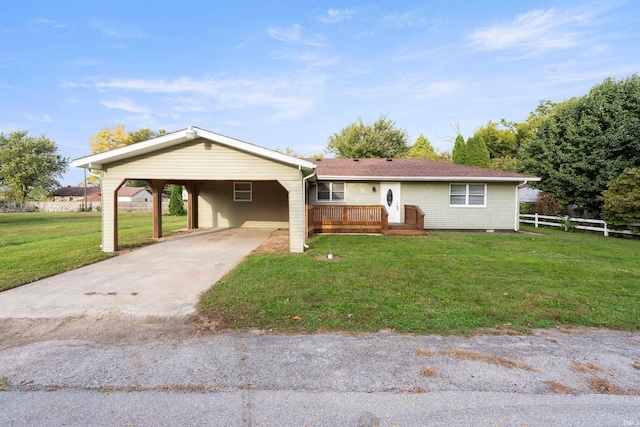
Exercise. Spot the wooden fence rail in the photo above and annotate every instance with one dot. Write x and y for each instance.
(567, 222)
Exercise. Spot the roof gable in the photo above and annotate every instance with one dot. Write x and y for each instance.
(409, 169)
(96, 161)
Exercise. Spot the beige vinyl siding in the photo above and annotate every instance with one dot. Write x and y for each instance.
(108, 212)
(203, 160)
(433, 199)
(199, 160)
(268, 207)
(356, 193)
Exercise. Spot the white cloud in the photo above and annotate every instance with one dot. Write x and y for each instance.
(287, 35)
(406, 19)
(51, 23)
(45, 118)
(408, 86)
(534, 32)
(336, 15)
(118, 33)
(292, 35)
(126, 105)
(85, 62)
(289, 96)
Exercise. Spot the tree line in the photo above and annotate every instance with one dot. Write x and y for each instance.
(586, 150)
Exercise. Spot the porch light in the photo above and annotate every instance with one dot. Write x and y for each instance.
(373, 189)
(191, 133)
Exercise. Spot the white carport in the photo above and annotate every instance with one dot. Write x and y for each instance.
(230, 183)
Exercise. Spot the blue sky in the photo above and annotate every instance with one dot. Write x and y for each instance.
(291, 73)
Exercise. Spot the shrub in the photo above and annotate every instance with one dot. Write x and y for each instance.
(548, 204)
(622, 199)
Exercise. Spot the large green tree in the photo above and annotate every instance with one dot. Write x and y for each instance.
(29, 165)
(360, 140)
(505, 140)
(500, 138)
(583, 143)
(422, 149)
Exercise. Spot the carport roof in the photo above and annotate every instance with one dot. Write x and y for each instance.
(97, 160)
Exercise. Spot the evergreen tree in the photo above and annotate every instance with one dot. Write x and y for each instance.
(458, 153)
(176, 206)
(476, 153)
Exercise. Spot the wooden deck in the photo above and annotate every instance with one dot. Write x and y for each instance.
(363, 219)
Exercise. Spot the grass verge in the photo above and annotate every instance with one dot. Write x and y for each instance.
(446, 283)
(37, 245)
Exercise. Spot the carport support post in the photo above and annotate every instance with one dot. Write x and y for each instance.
(192, 205)
(156, 190)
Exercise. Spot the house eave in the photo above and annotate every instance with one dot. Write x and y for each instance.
(97, 161)
(426, 178)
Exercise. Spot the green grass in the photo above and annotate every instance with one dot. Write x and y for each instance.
(37, 245)
(446, 283)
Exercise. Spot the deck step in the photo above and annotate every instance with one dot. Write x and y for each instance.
(404, 231)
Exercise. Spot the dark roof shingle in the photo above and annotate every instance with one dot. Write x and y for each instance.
(418, 169)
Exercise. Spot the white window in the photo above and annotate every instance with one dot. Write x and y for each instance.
(330, 191)
(241, 191)
(468, 195)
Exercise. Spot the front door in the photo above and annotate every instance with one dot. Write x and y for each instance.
(390, 198)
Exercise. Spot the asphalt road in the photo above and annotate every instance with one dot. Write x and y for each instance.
(578, 377)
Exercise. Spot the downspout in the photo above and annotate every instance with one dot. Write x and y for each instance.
(517, 223)
(304, 213)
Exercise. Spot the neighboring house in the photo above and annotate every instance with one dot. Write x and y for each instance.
(94, 194)
(75, 194)
(231, 183)
(134, 194)
(527, 194)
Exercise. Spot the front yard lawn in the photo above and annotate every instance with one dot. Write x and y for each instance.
(445, 283)
(37, 245)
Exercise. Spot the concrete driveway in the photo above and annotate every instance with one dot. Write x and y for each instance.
(164, 279)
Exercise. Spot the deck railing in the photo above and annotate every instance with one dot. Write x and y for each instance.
(413, 215)
(347, 219)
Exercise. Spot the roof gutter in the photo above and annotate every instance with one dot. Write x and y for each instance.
(425, 178)
(516, 226)
(304, 188)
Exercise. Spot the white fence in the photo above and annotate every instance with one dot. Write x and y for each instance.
(567, 222)
(77, 206)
